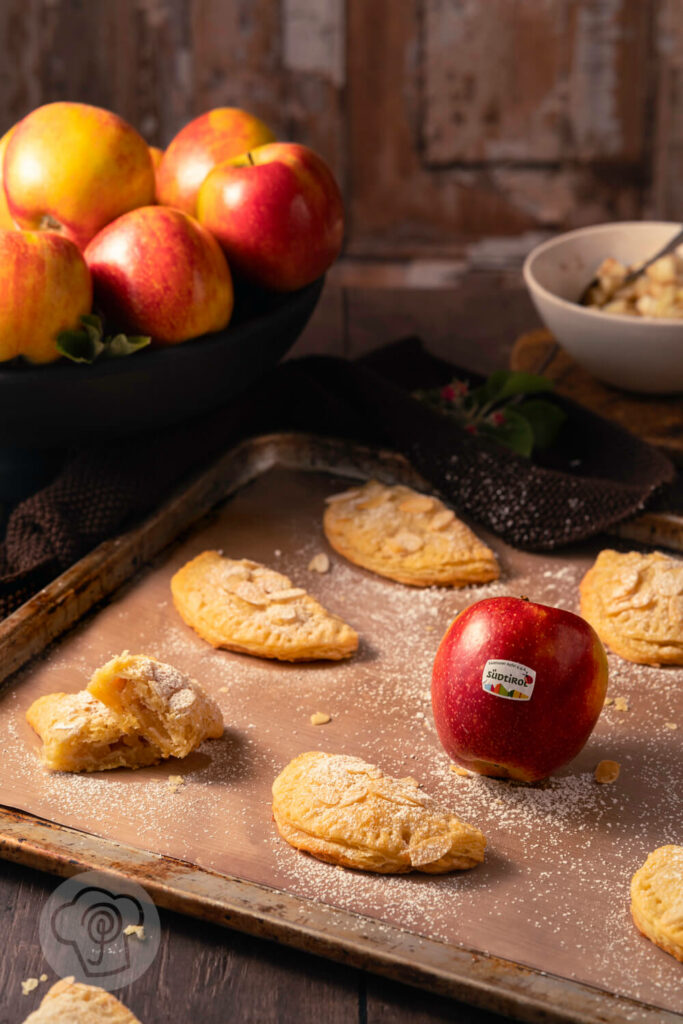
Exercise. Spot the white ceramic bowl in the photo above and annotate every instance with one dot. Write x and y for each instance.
(636, 353)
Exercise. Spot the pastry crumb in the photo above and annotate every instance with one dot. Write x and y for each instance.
(607, 771)
(620, 704)
(457, 770)
(138, 930)
(43, 977)
(175, 782)
(607, 701)
(320, 718)
(670, 725)
(223, 689)
(319, 563)
(29, 985)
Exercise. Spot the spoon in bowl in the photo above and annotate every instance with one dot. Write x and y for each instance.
(637, 271)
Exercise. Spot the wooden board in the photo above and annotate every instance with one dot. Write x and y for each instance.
(447, 934)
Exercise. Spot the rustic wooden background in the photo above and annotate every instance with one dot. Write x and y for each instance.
(462, 131)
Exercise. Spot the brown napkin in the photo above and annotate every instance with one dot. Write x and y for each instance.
(601, 473)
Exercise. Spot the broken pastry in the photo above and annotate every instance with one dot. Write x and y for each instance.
(635, 604)
(159, 702)
(407, 536)
(135, 712)
(657, 899)
(69, 1002)
(247, 607)
(80, 734)
(344, 811)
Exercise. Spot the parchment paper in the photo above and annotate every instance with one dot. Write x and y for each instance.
(554, 891)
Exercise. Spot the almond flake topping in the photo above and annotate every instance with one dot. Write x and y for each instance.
(320, 718)
(319, 563)
(607, 771)
(443, 518)
(417, 503)
(288, 594)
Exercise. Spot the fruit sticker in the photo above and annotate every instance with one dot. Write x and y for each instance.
(508, 679)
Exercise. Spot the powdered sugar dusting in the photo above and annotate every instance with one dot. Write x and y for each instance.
(553, 890)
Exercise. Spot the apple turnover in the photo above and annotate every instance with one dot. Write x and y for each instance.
(69, 1002)
(245, 606)
(159, 702)
(657, 899)
(135, 712)
(635, 604)
(407, 536)
(346, 812)
(80, 734)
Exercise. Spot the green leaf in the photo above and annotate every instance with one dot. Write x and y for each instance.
(124, 344)
(504, 384)
(80, 346)
(545, 419)
(511, 382)
(92, 320)
(88, 344)
(514, 432)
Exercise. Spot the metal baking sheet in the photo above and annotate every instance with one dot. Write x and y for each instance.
(550, 905)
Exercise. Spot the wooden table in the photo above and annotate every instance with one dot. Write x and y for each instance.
(210, 974)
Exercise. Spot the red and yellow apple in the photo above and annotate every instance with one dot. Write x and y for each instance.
(278, 214)
(46, 288)
(157, 271)
(517, 687)
(6, 220)
(73, 168)
(206, 141)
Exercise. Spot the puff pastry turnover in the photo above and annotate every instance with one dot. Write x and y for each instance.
(247, 607)
(69, 1002)
(409, 537)
(159, 702)
(80, 734)
(635, 604)
(657, 899)
(347, 812)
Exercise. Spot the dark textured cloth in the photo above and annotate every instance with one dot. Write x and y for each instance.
(601, 473)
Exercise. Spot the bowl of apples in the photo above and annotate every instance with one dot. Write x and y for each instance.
(141, 288)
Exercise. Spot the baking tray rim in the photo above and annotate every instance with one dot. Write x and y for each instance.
(470, 975)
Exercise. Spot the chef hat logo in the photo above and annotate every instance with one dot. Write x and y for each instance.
(94, 924)
(99, 935)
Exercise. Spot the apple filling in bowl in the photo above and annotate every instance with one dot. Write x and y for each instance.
(657, 292)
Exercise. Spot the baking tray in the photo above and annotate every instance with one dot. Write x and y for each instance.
(524, 934)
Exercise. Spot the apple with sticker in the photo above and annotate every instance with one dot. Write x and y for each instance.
(517, 688)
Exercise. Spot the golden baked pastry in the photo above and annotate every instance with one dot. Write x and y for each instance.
(80, 734)
(247, 607)
(409, 537)
(634, 603)
(657, 899)
(69, 1002)
(347, 812)
(159, 702)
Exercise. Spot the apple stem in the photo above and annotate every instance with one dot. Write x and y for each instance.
(523, 597)
(250, 158)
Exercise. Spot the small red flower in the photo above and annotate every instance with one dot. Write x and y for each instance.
(471, 428)
(448, 393)
(498, 419)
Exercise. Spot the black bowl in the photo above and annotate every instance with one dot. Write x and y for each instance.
(65, 404)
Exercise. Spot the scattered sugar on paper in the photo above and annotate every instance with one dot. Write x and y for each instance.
(539, 837)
